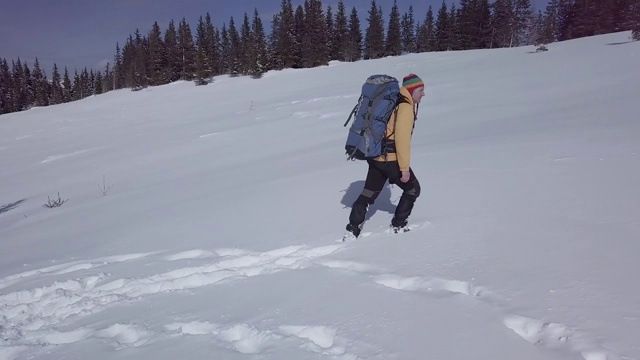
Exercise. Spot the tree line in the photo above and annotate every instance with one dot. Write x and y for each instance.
(311, 35)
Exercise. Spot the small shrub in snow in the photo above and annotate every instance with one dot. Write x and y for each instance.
(55, 202)
(104, 188)
(541, 48)
(200, 82)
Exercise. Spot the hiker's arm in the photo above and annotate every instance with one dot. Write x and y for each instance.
(404, 127)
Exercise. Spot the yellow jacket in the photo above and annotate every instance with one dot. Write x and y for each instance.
(399, 130)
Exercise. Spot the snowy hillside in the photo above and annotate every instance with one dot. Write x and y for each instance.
(217, 235)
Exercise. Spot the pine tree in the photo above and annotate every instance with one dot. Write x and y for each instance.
(302, 31)
(353, 51)
(156, 58)
(76, 88)
(523, 22)
(27, 87)
(118, 69)
(544, 32)
(128, 66)
(634, 19)
(87, 81)
(98, 83)
(483, 24)
(81, 89)
(625, 14)
(107, 79)
(140, 62)
(549, 31)
(426, 40)
(539, 32)
(441, 28)
(134, 64)
(202, 71)
(235, 49)
(173, 54)
(466, 23)
(261, 63)
(249, 55)
(39, 85)
(393, 41)
(453, 29)
(503, 24)
(69, 91)
(474, 24)
(91, 83)
(314, 37)
(341, 34)
(330, 27)
(217, 43)
(6, 88)
(187, 50)
(566, 20)
(299, 31)
(225, 50)
(283, 38)
(275, 62)
(407, 30)
(56, 86)
(604, 17)
(592, 17)
(66, 86)
(212, 47)
(22, 89)
(247, 47)
(374, 35)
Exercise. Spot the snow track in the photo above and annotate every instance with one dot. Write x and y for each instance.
(34, 317)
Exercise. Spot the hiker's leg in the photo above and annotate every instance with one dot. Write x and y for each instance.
(410, 192)
(372, 187)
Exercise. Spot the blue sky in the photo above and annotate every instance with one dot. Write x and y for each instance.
(84, 33)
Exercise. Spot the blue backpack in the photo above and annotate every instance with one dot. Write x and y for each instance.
(367, 138)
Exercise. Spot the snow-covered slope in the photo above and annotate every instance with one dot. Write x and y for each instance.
(217, 238)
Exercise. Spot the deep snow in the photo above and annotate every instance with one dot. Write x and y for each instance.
(218, 238)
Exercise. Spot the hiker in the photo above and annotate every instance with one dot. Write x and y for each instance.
(394, 165)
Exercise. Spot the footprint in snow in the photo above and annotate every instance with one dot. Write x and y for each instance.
(190, 254)
(69, 267)
(322, 340)
(34, 314)
(248, 339)
(243, 338)
(555, 335)
(118, 335)
(537, 332)
(420, 284)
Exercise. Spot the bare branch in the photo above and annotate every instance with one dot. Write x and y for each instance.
(55, 203)
(104, 189)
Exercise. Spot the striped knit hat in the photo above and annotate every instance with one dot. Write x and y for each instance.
(412, 82)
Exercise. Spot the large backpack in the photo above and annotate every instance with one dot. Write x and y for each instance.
(367, 136)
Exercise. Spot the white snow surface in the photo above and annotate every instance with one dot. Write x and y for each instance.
(218, 237)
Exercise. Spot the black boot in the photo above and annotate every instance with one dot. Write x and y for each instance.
(353, 231)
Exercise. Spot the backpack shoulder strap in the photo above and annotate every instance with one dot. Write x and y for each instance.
(401, 99)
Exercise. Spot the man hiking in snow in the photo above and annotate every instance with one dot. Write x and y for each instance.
(395, 164)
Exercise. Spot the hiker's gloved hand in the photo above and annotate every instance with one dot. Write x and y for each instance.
(405, 176)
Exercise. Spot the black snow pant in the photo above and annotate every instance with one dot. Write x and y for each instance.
(378, 174)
